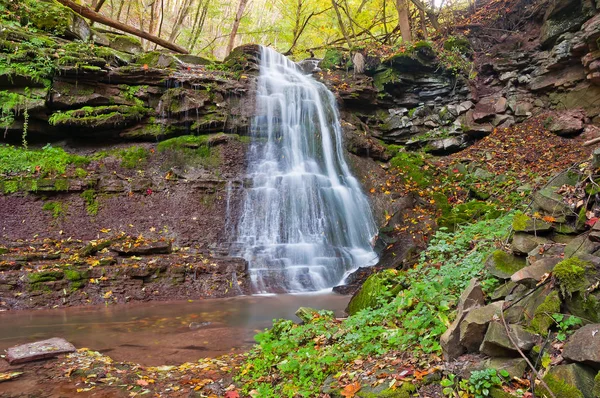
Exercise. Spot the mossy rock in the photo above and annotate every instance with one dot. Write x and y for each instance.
(542, 318)
(3, 250)
(45, 276)
(584, 306)
(578, 377)
(405, 390)
(74, 275)
(559, 388)
(125, 43)
(503, 265)
(101, 117)
(596, 390)
(371, 292)
(571, 275)
(580, 246)
(244, 58)
(458, 43)
(524, 223)
(468, 212)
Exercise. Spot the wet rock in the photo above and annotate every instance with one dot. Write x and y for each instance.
(496, 342)
(584, 346)
(39, 350)
(551, 202)
(503, 265)
(475, 324)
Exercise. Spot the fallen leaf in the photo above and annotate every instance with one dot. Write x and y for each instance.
(351, 389)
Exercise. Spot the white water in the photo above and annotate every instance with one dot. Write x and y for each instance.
(306, 222)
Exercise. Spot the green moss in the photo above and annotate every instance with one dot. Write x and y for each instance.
(99, 117)
(48, 160)
(505, 264)
(410, 165)
(61, 185)
(45, 276)
(461, 44)
(10, 186)
(80, 173)
(74, 275)
(404, 391)
(520, 221)
(560, 388)
(91, 204)
(56, 208)
(542, 318)
(150, 58)
(596, 389)
(371, 293)
(581, 218)
(133, 157)
(570, 274)
(467, 212)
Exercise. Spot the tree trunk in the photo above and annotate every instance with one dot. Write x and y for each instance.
(185, 8)
(423, 24)
(236, 24)
(403, 20)
(341, 23)
(94, 16)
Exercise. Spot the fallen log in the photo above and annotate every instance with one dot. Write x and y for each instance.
(96, 17)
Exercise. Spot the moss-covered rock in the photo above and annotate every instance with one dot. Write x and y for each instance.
(571, 275)
(524, 223)
(542, 317)
(503, 265)
(45, 276)
(101, 117)
(332, 59)
(125, 43)
(371, 293)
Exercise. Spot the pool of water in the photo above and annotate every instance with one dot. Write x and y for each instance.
(159, 333)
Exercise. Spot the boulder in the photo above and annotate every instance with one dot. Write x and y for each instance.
(471, 297)
(306, 314)
(39, 350)
(524, 243)
(534, 273)
(488, 107)
(571, 380)
(503, 265)
(524, 223)
(475, 324)
(584, 346)
(514, 366)
(551, 202)
(581, 245)
(565, 123)
(496, 342)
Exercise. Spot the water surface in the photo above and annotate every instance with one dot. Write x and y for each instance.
(160, 333)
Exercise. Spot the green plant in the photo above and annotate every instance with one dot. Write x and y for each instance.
(415, 307)
(91, 203)
(133, 157)
(482, 381)
(57, 209)
(48, 160)
(565, 324)
(570, 274)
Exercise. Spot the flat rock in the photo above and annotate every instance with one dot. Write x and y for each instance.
(584, 346)
(503, 265)
(566, 123)
(496, 342)
(144, 250)
(475, 324)
(524, 243)
(39, 350)
(534, 273)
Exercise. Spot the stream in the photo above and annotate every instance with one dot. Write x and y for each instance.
(162, 333)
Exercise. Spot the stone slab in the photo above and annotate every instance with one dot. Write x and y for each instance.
(39, 350)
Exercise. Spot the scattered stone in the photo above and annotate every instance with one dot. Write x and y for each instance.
(551, 202)
(576, 375)
(496, 342)
(39, 350)
(514, 366)
(475, 324)
(503, 265)
(524, 243)
(534, 273)
(565, 123)
(306, 314)
(584, 346)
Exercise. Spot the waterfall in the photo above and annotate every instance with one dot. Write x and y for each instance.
(305, 222)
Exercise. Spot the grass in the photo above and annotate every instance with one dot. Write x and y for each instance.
(46, 161)
(133, 157)
(294, 360)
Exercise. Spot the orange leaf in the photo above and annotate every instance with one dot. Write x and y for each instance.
(145, 66)
(141, 382)
(351, 389)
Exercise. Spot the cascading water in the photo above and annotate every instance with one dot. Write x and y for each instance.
(305, 220)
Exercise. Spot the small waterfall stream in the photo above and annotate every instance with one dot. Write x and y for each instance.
(305, 221)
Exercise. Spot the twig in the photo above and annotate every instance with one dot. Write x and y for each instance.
(592, 141)
(512, 341)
